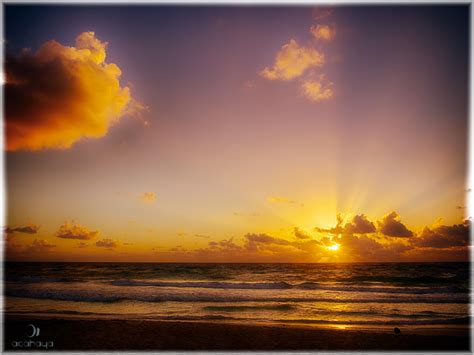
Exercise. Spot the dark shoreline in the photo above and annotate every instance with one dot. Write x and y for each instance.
(94, 334)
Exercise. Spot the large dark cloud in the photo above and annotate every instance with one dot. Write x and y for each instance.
(391, 226)
(358, 225)
(444, 236)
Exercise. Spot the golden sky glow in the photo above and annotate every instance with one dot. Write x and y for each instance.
(267, 136)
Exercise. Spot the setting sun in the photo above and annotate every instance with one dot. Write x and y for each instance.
(334, 247)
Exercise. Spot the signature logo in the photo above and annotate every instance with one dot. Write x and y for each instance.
(35, 331)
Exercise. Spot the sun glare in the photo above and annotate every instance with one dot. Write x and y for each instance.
(334, 247)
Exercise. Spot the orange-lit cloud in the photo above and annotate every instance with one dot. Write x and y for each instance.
(30, 229)
(305, 62)
(292, 61)
(391, 226)
(75, 231)
(59, 95)
(317, 90)
(148, 197)
(107, 243)
(323, 32)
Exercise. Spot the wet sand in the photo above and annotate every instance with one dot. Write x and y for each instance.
(99, 334)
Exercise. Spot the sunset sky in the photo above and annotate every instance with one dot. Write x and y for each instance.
(236, 134)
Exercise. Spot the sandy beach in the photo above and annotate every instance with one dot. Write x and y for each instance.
(99, 334)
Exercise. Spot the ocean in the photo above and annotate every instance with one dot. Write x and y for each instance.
(339, 295)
